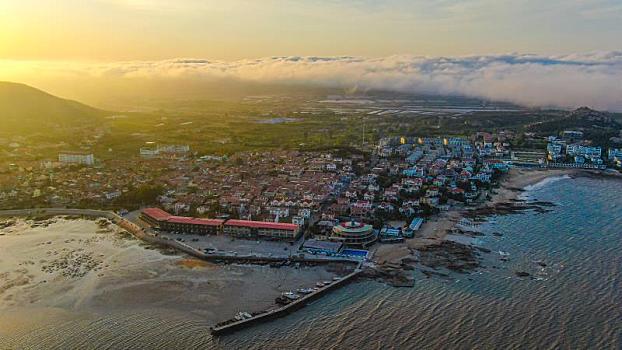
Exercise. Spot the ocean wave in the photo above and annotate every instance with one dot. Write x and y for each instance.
(541, 184)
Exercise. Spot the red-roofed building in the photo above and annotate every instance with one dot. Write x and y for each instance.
(260, 229)
(158, 218)
(193, 225)
(154, 216)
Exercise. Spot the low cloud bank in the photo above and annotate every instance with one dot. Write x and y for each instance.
(592, 79)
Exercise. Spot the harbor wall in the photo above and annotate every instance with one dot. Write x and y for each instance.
(284, 310)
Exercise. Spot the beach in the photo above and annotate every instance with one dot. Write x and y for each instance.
(76, 268)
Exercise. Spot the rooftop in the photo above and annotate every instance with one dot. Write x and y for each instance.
(262, 224)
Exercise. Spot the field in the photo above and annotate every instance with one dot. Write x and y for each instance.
(256, 123)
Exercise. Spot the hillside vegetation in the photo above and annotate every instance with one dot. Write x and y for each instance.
(26, 109)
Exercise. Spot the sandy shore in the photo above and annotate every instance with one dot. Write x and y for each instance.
(435, 230)
(520, 178)
(76, 267)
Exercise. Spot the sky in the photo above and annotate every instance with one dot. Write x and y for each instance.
(113, 30)
(534, 52)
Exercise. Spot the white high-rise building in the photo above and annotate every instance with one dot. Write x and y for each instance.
(76, 158)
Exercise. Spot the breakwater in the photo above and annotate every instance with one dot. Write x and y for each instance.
(269, 315)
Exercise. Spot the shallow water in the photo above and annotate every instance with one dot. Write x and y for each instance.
(575, 302)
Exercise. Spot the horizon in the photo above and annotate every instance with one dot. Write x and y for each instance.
(561, 54)
(555, 81)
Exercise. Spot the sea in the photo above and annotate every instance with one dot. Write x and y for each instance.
(572, 298)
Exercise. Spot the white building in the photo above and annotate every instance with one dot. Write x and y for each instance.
(615, 153)
(298, 220)
(76, 158)
(585, 151)
(146, 152)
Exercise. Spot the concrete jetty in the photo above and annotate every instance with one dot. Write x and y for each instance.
(284, 310)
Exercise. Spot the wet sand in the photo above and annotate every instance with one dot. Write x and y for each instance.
(74, 269)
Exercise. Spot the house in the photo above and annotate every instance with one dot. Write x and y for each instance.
(432, 192)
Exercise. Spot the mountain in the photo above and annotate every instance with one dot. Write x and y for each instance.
(26, 109)
(584, 119)
(588, 115)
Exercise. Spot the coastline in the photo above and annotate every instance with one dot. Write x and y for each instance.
(434, 231)
(73, 266)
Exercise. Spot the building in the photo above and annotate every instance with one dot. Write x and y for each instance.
(154, 216)
(76, 158)
(262, 230)
(160, 219)
(415, 225)
(572, 135)
(585, 151)
(614, 153)
(554, 150)
(195, 226)
(146, 152)
(391, 235)
(354, 234)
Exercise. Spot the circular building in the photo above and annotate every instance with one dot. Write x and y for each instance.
(354, 234)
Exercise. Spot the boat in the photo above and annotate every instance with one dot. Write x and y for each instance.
(336, 278)
(327, 282)
(305, 290)
(502, 253)
(320, 284)
(242, 316)
(281, 300)
(291, 295)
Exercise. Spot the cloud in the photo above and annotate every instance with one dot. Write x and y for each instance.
(568, 81)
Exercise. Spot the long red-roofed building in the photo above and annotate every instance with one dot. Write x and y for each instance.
(160, 219)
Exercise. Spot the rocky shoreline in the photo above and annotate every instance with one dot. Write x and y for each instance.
(439, 260)
(440, 256)
(508, 208)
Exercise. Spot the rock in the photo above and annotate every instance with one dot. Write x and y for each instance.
(429, 273)
(408, 267)
(395, 277)
(451, 255)
(410, 260)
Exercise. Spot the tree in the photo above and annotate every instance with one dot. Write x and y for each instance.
(140, 196)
